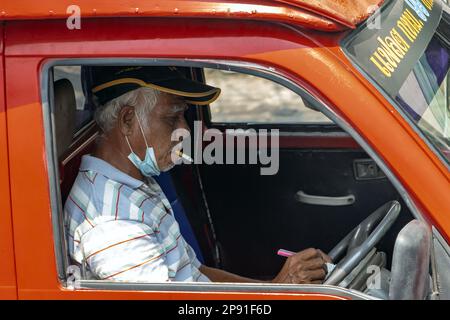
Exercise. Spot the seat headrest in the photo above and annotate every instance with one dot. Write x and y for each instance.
(64, 114)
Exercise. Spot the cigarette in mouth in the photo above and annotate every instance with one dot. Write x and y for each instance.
(184, 156)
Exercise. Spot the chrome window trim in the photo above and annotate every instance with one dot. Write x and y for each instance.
(53, 173)
(437, 235)
(228, 287)
(269, 73)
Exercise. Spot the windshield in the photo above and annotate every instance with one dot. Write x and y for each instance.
(424, 95)
(404, 49)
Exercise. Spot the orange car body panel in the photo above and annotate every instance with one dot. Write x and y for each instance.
(327, 15)
(170, 8)
(311, 59)
(8, 288)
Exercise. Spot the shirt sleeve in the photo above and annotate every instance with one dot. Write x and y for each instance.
(197, 275)
(124, 250)
(192, 256)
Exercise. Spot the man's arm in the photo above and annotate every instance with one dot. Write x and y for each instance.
(124, 250)
(217, 275)
(304, 267)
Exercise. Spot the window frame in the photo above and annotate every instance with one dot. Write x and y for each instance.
(252, 68)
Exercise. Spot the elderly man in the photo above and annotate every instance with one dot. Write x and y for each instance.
(119, 222)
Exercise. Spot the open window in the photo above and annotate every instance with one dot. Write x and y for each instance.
(248, 99)
(234, 217)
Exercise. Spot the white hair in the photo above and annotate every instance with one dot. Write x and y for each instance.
(142, 99)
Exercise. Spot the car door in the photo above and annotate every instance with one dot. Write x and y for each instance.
(8, 288)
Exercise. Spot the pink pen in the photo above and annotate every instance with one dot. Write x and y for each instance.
(285, 253)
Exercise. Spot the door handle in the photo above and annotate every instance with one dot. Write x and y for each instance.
(302, 197)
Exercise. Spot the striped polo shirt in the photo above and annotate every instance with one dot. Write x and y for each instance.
(124, 229)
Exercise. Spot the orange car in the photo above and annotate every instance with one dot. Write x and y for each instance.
(355, 92)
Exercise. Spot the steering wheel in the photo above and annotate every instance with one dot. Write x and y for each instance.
(361, 240)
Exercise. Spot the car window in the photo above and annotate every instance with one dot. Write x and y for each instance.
(409, 58)
(424, 96)
(250, 99)
(84, 112)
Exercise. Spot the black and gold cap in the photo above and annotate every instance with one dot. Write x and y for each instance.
(110, 82)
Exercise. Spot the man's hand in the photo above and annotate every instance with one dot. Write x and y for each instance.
(307, 266)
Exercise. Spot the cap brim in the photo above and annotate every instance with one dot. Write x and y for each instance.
(194, 92)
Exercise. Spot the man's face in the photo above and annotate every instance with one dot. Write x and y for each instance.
(165, 118)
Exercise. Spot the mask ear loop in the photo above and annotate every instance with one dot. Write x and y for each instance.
(140, 127)
(129, 145)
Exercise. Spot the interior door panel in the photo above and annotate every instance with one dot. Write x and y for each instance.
(256, 215)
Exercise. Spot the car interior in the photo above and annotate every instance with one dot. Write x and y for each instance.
(328, 194)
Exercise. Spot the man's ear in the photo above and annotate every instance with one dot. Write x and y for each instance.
(126, 120)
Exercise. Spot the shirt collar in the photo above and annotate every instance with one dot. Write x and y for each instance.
(90, 163)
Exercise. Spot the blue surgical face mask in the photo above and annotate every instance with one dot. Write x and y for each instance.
(148, 167)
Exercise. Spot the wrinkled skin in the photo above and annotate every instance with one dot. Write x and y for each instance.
(306, 266)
